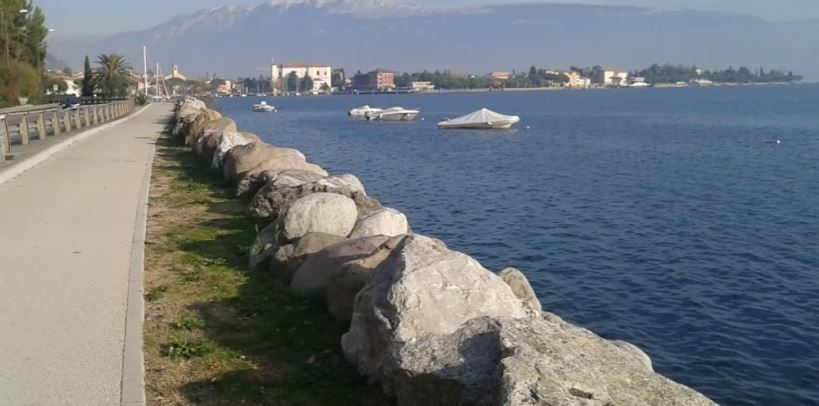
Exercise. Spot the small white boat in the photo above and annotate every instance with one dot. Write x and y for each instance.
(363, 110)
(483, 119)
(263, 107)
(394, 114)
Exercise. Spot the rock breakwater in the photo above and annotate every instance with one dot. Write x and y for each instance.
(431, 325)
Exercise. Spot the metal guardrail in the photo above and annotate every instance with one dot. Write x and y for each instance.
(38, 122)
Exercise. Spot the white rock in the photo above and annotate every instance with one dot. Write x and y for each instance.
(329, 213)
(386, 221)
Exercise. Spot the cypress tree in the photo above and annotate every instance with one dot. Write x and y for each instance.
(87, 80)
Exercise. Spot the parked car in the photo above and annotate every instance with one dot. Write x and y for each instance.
(71, 103)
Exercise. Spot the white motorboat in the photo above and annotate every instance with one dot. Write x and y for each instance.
(394, 114)
(483, 119)
(263, 107)
(363, 110)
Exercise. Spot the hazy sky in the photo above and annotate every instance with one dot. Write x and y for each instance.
(83, 17)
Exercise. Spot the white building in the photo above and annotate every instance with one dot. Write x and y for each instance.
(321, 74)
(422, 86)
(612, 77)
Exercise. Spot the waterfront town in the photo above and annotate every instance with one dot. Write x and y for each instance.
(302, 79)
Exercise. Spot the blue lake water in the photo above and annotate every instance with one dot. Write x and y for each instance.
(667, 218)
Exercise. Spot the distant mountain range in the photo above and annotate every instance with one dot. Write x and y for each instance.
(364, 34)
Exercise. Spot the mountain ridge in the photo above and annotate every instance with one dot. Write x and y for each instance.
(362, 34)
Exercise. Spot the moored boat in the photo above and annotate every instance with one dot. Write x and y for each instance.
(363, 110)
(394, 114)
(483, 119)
(263, 107)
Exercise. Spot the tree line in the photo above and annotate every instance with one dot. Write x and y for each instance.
(679, 73)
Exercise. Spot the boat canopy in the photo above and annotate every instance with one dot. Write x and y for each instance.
(482, 116)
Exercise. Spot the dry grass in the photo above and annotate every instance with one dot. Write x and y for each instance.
(215, 332)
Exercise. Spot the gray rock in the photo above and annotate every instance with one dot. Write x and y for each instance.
(266, 244)
(195, 128)
(274, 198)
(516, 362)
(522, 289)
(313, 277)
(258, 157)
(319, 213)
(342, 289)
(291, 256)
(229, 140)
(207, 138)
(635, 352)
(453, 369)
(250, 183)
(422, 289)
(384, 221)
(348, 181)
(549, 361)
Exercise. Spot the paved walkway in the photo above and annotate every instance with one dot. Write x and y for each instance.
(71, 231)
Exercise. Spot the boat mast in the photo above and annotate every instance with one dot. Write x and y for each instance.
(156, 79)
(145, 68)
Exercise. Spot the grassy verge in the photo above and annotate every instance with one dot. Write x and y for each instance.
(215, 332)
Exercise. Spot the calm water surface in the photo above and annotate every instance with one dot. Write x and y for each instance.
(668, 218)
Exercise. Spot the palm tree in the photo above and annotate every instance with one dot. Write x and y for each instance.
(112, 76)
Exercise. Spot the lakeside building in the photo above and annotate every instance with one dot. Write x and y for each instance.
(225, 88)
(611, 77)
(422, 86)
(377, 80)
(322, 75)
(500, 75)
(176, 74)
(575, 79)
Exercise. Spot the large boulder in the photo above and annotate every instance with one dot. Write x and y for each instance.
(250, 183)
(422, 289)
(275, 197)
(347, 181)
(212, 135)
(258, 157)
(319, 213)
(313, 277)
(266, 244)
(522, 289)
(517, 362)
(385, 221)
(345, 285)
(288, 258)
(227, 141)
(196, 128)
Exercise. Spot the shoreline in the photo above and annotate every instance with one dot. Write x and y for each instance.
(312, 218)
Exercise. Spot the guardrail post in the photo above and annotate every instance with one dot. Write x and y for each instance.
(4, 139)
(67, 121)
(77, 118)
(55, 122)
(41, 130)
(111, 112)
(87, 118)
(94, 113)
(23, 127)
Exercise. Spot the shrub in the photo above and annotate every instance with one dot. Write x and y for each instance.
(141, 99)
(18, 79)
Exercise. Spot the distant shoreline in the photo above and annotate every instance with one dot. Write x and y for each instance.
(562, 89)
